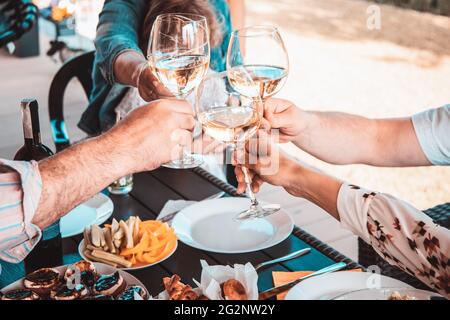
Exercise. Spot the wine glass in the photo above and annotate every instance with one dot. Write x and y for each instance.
(258, 53)
(178, 54)
(232, 118)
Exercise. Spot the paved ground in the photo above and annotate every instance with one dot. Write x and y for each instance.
(336, 64)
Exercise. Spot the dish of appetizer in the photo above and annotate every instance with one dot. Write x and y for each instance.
(79, 281)
(129, 245)
(176, 290)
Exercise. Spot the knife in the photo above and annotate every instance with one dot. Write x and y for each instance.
(287, 257)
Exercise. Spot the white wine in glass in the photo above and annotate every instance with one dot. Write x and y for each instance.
(181, 74)
(230, 124)
(231, 117)
(267, 80)
(257, 53)
(178, 53)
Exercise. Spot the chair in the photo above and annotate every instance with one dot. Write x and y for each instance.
(368, 257)
(16, 18)
(79, 67)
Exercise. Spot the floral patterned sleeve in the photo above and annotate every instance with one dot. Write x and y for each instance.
(401, 234)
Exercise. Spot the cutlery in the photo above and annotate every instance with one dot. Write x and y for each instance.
(169, 217)
(283, 288)
(287, 257)
(172, 215)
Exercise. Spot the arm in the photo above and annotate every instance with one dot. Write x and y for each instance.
(237, 12)
(401, 234)
(117, 33)
(34, 195)
(118, 54)
(72, 176)
(341, 138)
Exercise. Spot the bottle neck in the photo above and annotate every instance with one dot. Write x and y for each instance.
(30, 120)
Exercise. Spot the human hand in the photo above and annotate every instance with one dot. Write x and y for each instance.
(148, 85)
(265, 163)
(283, 115)
(154, 134)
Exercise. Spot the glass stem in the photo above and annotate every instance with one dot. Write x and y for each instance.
(186, 155)
(249, 191)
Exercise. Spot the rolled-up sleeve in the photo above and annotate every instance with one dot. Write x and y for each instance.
(403, 235)
(117, 32)
(20, 191)
(432, 129)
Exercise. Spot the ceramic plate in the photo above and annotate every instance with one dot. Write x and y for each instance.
(209, 225)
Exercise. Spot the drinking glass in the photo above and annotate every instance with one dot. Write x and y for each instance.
(178, 54)
(232, 118)
(258, 53)
(123, 185)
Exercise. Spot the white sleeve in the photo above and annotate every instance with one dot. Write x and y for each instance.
(403, 235)
(432, 129)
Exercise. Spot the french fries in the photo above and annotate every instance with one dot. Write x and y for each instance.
(129, 243)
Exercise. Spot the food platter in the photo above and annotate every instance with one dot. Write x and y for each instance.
(129, 245)
(100, 269)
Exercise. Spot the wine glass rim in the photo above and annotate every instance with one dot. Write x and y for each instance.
(259, 30)
(190, 16)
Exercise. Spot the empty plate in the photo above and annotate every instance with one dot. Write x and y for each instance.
(209, 225)
(94, 211)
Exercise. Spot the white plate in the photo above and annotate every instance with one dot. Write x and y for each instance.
(329, 286)
(101, 269)
(385, 293)
(209, 225)
(94, 211)
(137, 267)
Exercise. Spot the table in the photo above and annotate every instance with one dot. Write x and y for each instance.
(151, 191)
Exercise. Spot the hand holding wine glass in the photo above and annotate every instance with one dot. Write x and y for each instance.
(179, 54)
(233, 118)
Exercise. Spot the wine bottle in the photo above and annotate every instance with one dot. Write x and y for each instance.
(48, 251)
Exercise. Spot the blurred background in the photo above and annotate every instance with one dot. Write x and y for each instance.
(340, 59)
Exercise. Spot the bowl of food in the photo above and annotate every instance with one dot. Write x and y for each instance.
(129, 245)
(82, 280)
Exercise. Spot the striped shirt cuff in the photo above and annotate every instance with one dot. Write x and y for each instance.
(20, 192)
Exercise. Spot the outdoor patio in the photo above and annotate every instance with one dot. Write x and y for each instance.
(336, 63)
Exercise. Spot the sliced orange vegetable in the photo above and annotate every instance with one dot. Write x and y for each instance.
(148, 258)
(143, 243)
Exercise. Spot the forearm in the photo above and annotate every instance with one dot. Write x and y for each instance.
(127, 67)
(237, 11)
(341, 138)
(336, 138)
(74, 175)
(401, 234)
(117, 32)
(314, 186)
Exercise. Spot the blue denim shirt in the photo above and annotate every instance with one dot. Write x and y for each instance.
(118, 31)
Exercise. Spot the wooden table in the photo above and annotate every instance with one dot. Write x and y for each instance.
(151, 191)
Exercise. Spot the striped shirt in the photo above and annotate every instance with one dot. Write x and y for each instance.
(20, 191)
